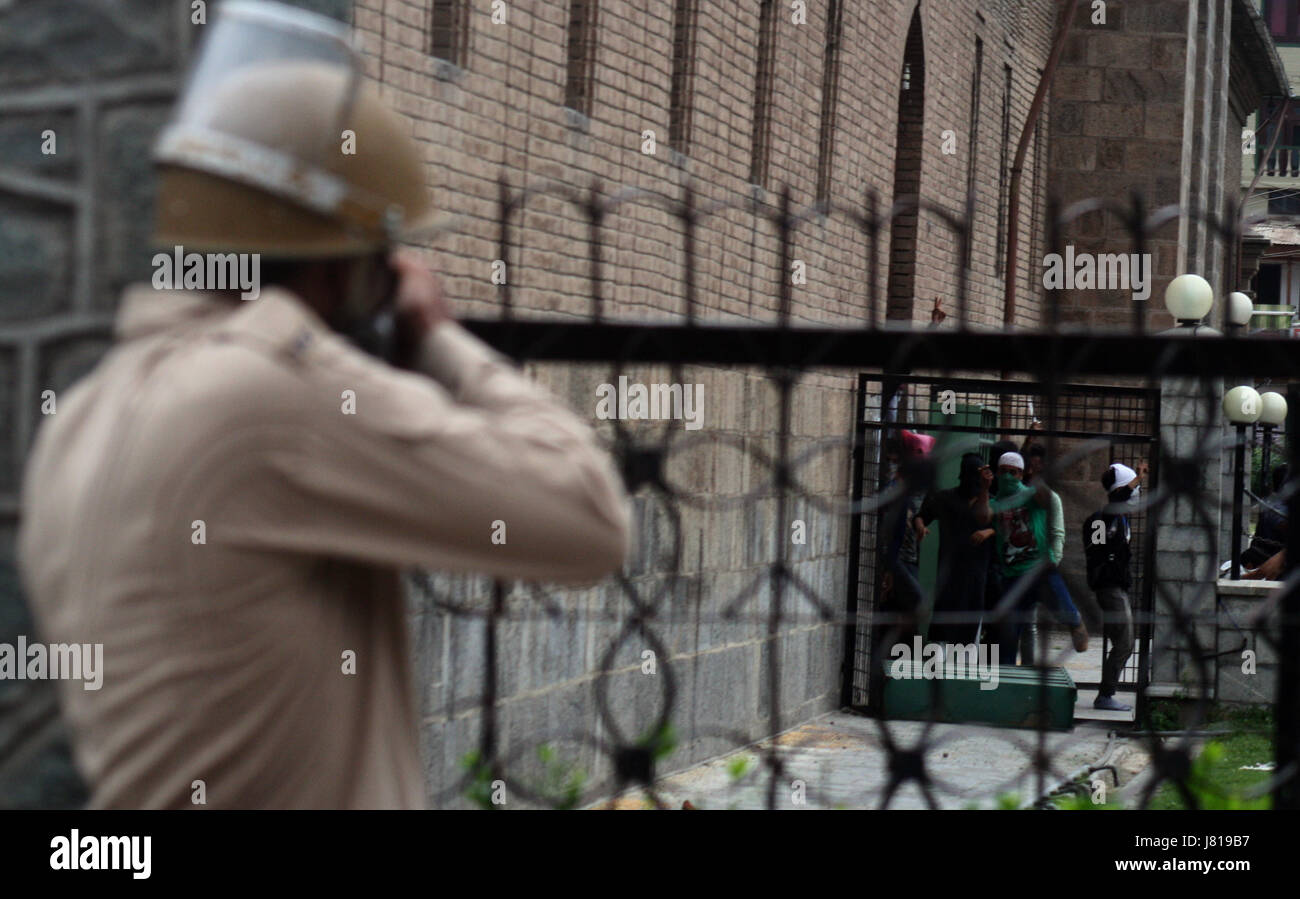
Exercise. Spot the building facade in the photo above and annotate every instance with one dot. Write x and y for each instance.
(1271, 178)
(834, 102)
(841, 104)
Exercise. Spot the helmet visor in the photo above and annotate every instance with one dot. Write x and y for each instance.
(265, 102)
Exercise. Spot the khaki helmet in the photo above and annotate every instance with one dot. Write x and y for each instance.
(280, 147)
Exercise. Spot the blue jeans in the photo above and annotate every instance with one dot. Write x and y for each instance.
(1058, 601)
(1046, 587)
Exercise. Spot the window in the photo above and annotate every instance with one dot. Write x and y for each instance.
(448, 30)
(900, 300)
(1004, 171)
(1283, 202)
(1283, 18)
(763, 81)
(830, 97)
(973, 141)
(1268, 285)
(1036, 227)
(680, 99)
(579, 84)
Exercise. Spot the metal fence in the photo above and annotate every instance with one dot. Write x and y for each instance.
(1118, 423)
(1095, 392)
(1070, 377)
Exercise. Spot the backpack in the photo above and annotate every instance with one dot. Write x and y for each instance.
(1107, 562)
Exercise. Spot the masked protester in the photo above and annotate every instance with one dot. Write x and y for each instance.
(226, 502)
(993, 583)
(902, 594)
(1035, 464)
(964, 551)
(1107, 537)
(1024, 557)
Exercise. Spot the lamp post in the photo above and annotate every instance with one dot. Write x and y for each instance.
(1242, 407)
(1272, 413)
(1188, 299)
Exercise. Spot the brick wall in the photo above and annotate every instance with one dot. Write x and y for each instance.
(1119, 103)
(501, 111)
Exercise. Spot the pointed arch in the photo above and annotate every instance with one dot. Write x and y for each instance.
(903, 235)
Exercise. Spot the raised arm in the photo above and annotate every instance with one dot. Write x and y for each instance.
(470, 468)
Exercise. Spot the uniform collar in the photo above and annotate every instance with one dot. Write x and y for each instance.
(277, 316)
(146, 311)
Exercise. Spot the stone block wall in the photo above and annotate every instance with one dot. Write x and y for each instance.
(84, 87)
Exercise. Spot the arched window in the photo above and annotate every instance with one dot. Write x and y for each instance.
(907, 175)
(830, 97)
(760, 151)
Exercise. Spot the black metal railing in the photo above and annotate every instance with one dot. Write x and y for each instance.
(1094, 391)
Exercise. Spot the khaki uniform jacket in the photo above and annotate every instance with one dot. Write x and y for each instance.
(204, 505)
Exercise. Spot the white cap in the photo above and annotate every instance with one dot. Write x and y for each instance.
(1123, 475)
(1014, 460)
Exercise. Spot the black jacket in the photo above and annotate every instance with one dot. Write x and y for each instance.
(1108, 560)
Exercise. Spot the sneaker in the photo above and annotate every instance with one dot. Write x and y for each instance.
(1079, 634)
(1111, 704)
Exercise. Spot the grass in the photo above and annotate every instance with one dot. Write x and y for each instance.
(1217, 780)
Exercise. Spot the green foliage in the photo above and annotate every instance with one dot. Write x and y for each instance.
(1259, 477)
(478, 787)
(1216, 780)
(561, 782)
(1163, 714)
(661, 742)
(740, 767)
(1250, 717)
(1007, 802)
(1167, 714)
(1081, 801)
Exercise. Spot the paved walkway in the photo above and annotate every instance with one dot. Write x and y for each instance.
(1086, 666)
(841, 761)
(841, 758)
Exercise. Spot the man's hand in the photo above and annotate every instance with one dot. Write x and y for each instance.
(918, 526)
(937, 315)
(419, 291)
(1270, 570)
(979, 537)
(419, 301)
(986, 479)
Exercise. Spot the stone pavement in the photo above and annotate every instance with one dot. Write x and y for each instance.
(841, 761)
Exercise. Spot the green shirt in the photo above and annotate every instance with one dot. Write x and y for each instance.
(1020, 528)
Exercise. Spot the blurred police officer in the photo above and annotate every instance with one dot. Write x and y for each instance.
(226, 502)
